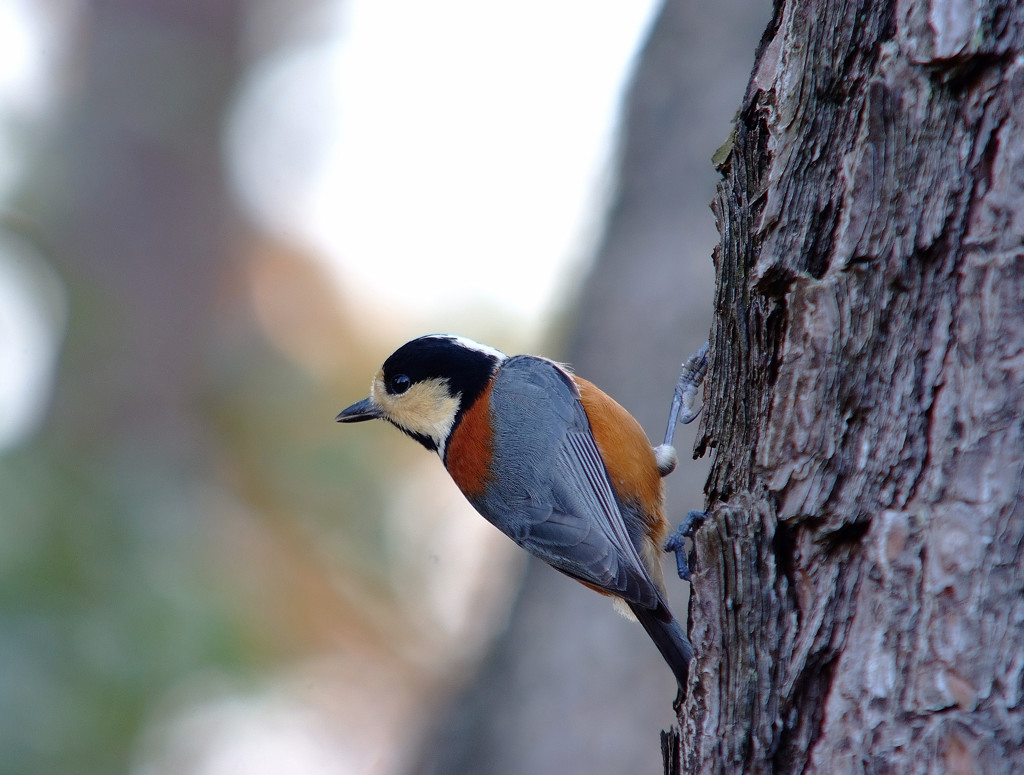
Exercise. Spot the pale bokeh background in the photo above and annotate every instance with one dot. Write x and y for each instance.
(216, 219)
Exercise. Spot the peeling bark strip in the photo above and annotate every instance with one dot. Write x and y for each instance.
(859, 598)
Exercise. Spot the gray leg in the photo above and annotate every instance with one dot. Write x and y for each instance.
(691, 376)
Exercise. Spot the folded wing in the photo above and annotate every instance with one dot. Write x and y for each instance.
(551, 493)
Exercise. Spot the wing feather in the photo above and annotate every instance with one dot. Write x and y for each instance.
(551, 492)
(584, 452)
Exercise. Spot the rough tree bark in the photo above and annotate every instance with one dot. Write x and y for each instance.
(858, 599)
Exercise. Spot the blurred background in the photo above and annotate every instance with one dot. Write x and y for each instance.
(217, 218)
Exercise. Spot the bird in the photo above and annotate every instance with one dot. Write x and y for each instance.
(550, 460)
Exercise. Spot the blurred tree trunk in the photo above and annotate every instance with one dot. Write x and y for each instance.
(140, 217)
(857, 600)
(132, 206)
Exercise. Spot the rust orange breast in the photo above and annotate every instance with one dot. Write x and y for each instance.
(470, 448)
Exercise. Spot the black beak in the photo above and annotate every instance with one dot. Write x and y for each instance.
(360, 412)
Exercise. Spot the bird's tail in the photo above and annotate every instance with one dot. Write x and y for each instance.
(669, 637)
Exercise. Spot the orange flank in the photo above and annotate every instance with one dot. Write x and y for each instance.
(471, 447)
(597, 589)
(627, 455)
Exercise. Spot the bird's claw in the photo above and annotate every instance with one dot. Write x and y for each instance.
(676, 542)
(691, 376)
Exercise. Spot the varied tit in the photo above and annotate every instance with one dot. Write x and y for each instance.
(548, 459)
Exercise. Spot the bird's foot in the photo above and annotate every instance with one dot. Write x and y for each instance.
(691, 377)
(676, 542)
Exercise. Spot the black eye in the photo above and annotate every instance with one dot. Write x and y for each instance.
(398, 384)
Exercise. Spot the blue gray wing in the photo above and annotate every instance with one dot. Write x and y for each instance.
(551, 493)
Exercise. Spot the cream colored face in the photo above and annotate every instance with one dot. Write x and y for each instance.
(425, 409)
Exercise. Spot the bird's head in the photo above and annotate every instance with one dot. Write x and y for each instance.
(424, 386)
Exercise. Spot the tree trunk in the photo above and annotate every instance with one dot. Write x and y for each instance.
(858, 597)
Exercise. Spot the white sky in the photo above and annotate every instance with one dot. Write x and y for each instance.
(442, 154)
(32, 305)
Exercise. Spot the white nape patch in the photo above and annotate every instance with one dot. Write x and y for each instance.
(469, 344)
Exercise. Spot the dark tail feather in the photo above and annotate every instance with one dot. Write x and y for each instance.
(670, 639)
